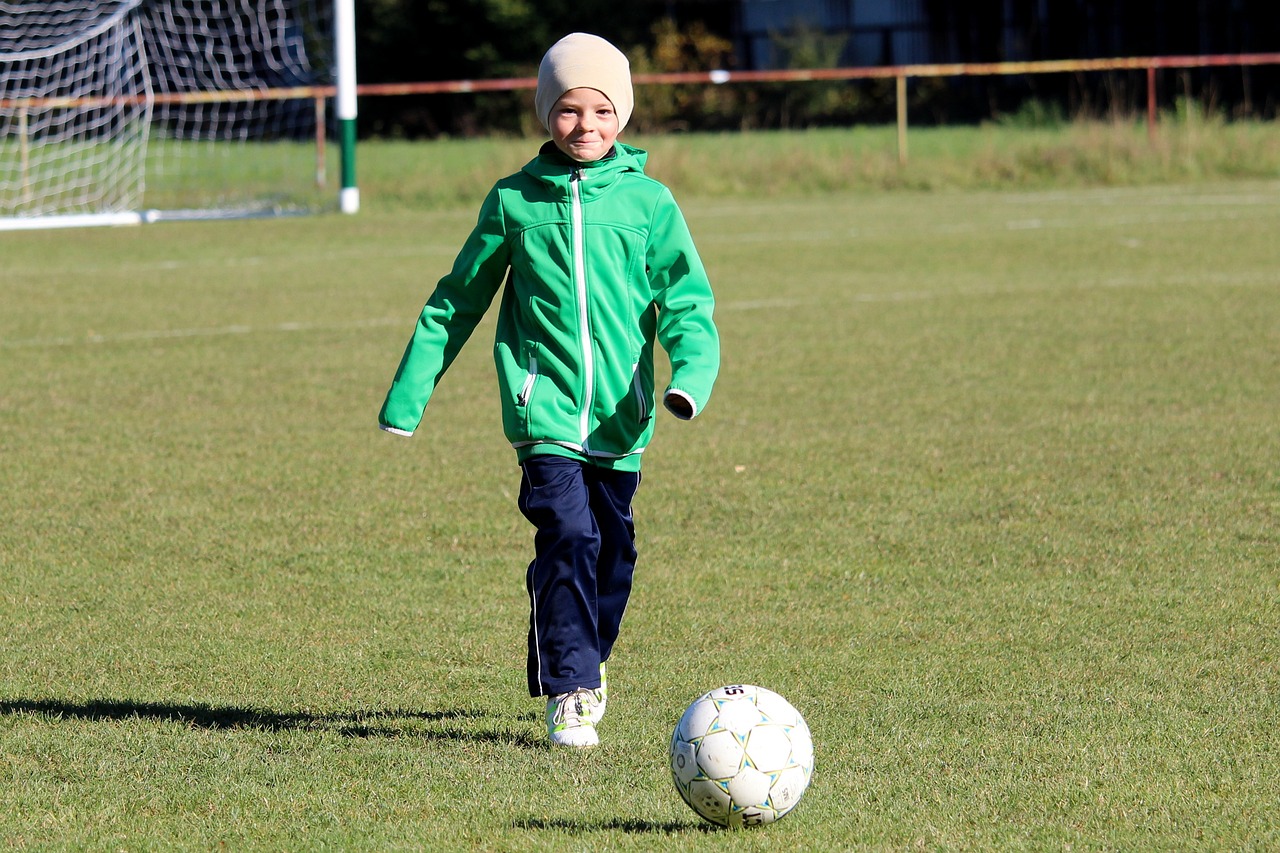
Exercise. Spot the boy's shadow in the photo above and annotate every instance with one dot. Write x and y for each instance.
(454, 725)
(459, 724)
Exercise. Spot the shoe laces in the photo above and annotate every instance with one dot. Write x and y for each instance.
(571, 708)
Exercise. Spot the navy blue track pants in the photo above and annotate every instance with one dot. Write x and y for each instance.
(580, 577)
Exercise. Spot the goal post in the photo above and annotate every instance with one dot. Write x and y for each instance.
(137, 110)
(345, 43)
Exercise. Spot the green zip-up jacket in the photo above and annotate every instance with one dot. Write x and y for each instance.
(598, 264)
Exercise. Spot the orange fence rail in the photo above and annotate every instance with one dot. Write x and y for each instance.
(900, 73)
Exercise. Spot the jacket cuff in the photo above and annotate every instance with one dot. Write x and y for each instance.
(675, 392)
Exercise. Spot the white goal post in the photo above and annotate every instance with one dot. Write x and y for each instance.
(123, 111)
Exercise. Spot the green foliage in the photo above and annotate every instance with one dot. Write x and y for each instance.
(415, 40)
(738, 106)
(792, 105)
(681, 107)
(408, 40)
(1035, 114)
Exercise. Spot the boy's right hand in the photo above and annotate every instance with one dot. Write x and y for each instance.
(679, 405)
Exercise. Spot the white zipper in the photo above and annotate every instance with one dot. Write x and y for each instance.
(584, 329)
(527, 389)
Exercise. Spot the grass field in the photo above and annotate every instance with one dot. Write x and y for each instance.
(988, 489)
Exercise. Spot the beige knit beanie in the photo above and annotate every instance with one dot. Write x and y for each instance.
(582, 60)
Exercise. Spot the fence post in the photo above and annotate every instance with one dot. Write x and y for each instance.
(321, 133)
(902, 120)
(24, 153)
(1151, 103)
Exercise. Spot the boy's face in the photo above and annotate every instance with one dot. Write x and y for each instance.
(583, 124)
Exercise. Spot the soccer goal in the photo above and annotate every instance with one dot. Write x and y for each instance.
(124, 111)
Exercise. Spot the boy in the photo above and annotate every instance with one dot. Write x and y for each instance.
(598, 264)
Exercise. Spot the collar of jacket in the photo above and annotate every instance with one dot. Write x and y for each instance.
(553, 168)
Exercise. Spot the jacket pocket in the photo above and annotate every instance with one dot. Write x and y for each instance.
(644, 410)
(526, 389)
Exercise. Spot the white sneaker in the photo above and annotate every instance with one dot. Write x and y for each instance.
(601, 695)
(569, 718)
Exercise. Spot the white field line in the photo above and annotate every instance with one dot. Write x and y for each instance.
(709, 235)
(1265, 195)
(1264, 278)
(94, 338)
(1257, 279)
(825, 235)
(231, 262)
(1038, 223)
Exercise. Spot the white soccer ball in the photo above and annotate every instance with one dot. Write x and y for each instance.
(741, 756)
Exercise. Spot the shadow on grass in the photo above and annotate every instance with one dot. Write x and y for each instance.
(459, 724)
(639, 827)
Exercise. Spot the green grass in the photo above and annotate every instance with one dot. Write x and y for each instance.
(402, 175)
(860, 159)
(988, 489)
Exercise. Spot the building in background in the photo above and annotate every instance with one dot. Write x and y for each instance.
(903, 32)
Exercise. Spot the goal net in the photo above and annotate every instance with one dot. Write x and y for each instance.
(129, 110)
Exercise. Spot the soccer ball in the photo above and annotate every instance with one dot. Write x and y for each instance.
(741, 756)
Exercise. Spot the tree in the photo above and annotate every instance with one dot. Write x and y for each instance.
(412, 40)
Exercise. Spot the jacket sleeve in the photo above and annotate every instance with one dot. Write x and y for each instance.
(449, 317)
(686, 328)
